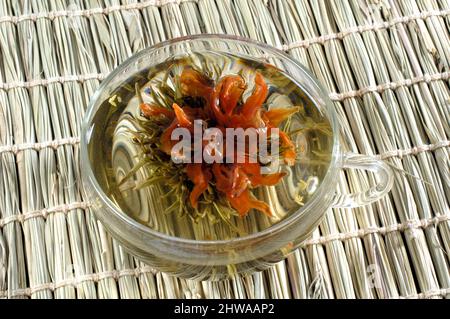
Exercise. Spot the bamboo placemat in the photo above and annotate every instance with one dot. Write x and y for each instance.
(386, 64)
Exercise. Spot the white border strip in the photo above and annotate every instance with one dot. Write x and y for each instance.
(16, 148)
(360, 233)
(117, 274)
(426, 78)
(364, 28)
(65, 208)
(52, 80)
(75, 282)
(415, 150)
(90, 12)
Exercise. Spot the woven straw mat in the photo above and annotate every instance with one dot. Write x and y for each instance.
(386, 66)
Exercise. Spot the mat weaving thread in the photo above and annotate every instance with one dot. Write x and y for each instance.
(386, 64)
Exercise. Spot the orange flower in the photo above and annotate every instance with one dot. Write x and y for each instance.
(231, 88)
(256, 100)
(195, 84)
(182, 118)
(222, 108)
(149, 110)
(289, 153)
(276, 116)
(245, 202)
(200, 177)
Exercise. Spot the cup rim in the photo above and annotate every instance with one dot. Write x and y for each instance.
(89, 176)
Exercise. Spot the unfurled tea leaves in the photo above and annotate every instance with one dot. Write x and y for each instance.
(143, 180)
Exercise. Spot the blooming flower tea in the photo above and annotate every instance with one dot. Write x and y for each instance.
(157, 180)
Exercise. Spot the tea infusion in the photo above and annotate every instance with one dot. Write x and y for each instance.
(149, 176)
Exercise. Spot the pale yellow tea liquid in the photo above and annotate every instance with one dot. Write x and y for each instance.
(113, 153)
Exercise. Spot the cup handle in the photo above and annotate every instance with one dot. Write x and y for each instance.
(365, 197)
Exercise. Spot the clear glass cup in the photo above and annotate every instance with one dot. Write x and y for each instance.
(218, 259)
